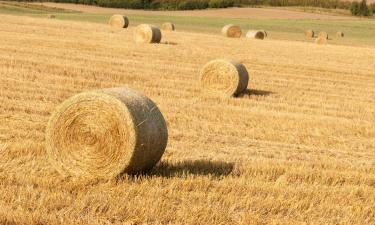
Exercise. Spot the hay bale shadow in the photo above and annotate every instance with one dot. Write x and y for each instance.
(254, 92)
(168, 43)
(199, 167)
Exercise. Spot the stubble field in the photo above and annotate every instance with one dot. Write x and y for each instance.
(297, 148)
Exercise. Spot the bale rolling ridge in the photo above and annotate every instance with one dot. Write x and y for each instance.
(323, 35)
(104, 133)
(119, 21)
(168, 26)
(224, 77)
(256, 34)
(146, 33)
(232, 31)
(309, 33)
(321, 41)
(340, 34)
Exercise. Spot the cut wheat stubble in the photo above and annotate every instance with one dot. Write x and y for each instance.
(104, 133)
(224, 78)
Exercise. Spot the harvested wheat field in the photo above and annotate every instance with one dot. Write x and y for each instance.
(297, 147)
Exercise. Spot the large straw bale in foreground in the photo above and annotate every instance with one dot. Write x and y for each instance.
(101, 134)
(224, 77)
(232, 31)
(323, 35)
(309, 33)
(256, 34)
(119, 21)
(146, 33)
(168, 26)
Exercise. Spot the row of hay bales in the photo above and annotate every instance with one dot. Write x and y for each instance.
(144, 33)
(103, 134)
(234, 31)
(322, 37)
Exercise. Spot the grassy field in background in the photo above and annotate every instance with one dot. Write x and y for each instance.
(357, 31)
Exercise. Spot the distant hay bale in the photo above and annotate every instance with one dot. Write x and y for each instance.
(340, 34)
(323, 35)
(232, 31)
(224, 77)
(104, 133)
(51, 16)
(265, 33)
(146, 33)
(309, 33)
(256, 34)
(119, 21)
(321, 40)
(168, 26)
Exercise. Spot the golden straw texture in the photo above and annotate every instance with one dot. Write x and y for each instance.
(146, 33)
(232, 31)
(119, 21)
(323, 35)
(309, 33)
(168, 26)
(321, 40)
(224, 77)
(256, 34)
(101, 134)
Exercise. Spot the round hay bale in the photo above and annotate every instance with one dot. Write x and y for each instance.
(146, 33)
(321, 40)
(231, 31)
(119, 21)
(309, 33)
(168, 26)
(265, 33)
(224, 77)
(256, 34)
(323, 35)
(51, 16)
(340, 34)
(104, 133)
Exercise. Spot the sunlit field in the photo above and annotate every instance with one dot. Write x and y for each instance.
(296, 148)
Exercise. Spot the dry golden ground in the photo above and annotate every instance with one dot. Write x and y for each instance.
(298, 147)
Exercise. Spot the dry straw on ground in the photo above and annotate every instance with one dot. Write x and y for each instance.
(224, 77)
(321, 40)
(256, 34)
(101, 134)
(340, 34)
(232, 31)
(309, 33)
(146, 33)
(119, 21)
(323, 34)
(168, 26)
